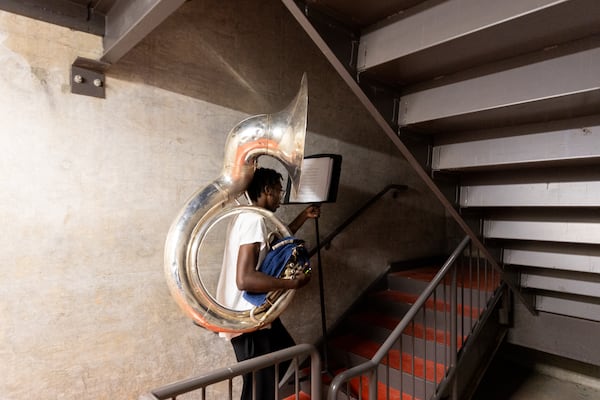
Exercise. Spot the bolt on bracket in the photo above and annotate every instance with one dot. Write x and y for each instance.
(87, 77)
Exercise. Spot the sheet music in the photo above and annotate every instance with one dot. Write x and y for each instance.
(314, 181)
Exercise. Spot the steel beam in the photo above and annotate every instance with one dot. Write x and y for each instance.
(445, 22)
(545, 194)
(563, 284)
(129, 21)
(561, 260)
(436, 39)
(553, 231)
(575, 338)
(573, 77)
(570, 307)
(579, 143)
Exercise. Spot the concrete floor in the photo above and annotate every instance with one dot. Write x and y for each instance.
(507, 379)
(543, 387)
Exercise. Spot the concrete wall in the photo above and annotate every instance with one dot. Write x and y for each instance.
(89, 188)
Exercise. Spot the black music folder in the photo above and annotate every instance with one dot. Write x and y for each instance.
(319, 180)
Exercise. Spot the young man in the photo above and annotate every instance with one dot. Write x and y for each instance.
(245, 250)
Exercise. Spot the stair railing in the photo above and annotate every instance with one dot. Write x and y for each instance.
(298, 352)
(295, 353)
(450, 324)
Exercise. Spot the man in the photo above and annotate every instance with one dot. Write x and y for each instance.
(245, 250)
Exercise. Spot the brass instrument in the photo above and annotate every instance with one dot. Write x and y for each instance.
(280, 135)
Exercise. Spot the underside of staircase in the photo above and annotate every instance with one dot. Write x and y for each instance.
(496, 106)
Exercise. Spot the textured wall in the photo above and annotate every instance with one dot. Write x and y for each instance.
(89, 187)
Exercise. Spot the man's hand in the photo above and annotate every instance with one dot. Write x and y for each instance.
(300, 279)
(313, 211)
(310, 212)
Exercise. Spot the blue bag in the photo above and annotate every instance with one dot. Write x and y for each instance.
(287, 252)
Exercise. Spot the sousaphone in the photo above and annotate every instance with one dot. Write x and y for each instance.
(280, 135)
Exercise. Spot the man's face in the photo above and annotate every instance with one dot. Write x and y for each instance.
(274, 197)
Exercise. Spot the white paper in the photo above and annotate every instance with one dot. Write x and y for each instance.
(314, 181)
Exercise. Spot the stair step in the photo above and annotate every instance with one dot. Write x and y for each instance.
(421, 340)
(424, 369)
(387, 375)
(362, 386)
(417, 330)
(467, 278)
(418, 361)
(355, 386)
(301, 396)
(395, 296)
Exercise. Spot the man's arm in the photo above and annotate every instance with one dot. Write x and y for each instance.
(309, 212)
(251, 280)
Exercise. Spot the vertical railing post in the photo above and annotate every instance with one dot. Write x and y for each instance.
(453, 330)
(315, 375)
(373, 384)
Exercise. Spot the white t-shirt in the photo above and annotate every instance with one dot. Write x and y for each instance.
(246, 228)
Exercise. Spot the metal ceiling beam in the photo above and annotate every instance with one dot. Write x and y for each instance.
(580, 143)
(561, 283)
(543, 194)
(552, 231)
(129, 21)
(571, 307)
(515, 88)
(554, 259)
(442, 38)
(445, 22)
(550, 332)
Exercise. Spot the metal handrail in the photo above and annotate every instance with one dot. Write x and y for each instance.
(302, 350)
(297, 352)
(324, 242)
(369, 367)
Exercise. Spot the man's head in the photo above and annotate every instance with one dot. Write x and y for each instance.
(265, 189)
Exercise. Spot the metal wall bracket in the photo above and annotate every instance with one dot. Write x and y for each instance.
(87, 77)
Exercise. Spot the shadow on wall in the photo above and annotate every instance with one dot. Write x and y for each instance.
(250, 57)
(393, 229)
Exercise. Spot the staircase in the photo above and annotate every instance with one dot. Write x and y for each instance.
(406, 335)
(496, 105)
(418, 362)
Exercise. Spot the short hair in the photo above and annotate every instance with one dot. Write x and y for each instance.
(263, 177)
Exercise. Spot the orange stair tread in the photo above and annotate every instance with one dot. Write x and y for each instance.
(417, 330)
(301, 396)
(368, 348)
(395, 295)
(382, 390)
(468, 279)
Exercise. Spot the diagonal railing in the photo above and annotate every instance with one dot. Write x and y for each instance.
(460, 296)
(202, 383)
